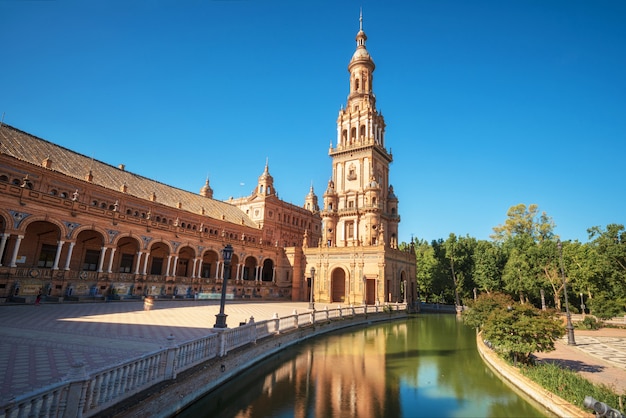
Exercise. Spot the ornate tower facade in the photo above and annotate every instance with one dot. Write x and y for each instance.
(358, 259)
(360, 207)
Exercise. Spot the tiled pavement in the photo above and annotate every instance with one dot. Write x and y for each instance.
(39, 344)
(599, 355)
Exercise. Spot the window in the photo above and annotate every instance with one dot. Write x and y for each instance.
(91, 260)
(350, 230)
(46, 256)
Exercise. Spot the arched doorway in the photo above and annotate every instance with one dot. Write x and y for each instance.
(338, 286)
(268, 270)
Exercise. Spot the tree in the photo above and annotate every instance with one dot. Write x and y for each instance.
(610, 247)
(520, 235)
(520, 330)
(488, 260)
(525, 221)
(425, 270)
(605, 306)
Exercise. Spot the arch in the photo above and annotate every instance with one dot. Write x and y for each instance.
(249, 268)
(210, 258)
(40, 244)
(4, 220)
(125, 257)
(157, 261)
(338, 285)
(184, 265)
(267, 274)
(82, 228)
(87, 250)
(36, 218)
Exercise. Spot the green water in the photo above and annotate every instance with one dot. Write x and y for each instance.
(426, 366)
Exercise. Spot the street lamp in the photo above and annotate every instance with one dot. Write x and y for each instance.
(582, 305)
(311, 303)
(569, 327)
(227, 255)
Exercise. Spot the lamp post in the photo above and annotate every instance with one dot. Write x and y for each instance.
(582, 305)
(227, 255)
(404, 291)
(569, 327)
(311, 303)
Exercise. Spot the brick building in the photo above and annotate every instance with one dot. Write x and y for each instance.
(74, 227)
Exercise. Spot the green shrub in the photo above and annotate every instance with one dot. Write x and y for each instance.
(588, 323)
(569, 385)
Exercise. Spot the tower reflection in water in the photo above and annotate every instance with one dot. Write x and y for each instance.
(424, 366)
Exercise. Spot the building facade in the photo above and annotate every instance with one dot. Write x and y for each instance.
(72, 227)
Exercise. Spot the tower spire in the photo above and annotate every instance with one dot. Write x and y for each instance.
(360, 19)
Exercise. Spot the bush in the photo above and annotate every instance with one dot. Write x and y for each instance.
(588, 323)
(569, 385)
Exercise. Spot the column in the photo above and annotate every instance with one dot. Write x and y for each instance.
(3, 243)
(193, 269)
(18, 241)
(260, 273)
(238, 271)
(69, 256)
(199, 274)
(110, 269)
(167, 269)
(55, 266)
(273, 274)
(218, 266)
(174, 266)
(103, 252)
(138, 263)
(145, 264)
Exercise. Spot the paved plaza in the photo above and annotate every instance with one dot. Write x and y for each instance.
(39, 344)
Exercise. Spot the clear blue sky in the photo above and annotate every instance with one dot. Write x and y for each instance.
(487, 103)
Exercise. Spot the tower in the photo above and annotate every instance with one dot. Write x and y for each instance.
(360, 207)
(358, 259)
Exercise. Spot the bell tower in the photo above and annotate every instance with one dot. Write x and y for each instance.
(360, 208)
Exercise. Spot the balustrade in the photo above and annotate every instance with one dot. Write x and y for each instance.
(109, 386)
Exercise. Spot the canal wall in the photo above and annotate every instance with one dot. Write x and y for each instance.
(553, 403)
(163, 382)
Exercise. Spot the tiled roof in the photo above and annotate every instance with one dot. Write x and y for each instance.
(31, 149)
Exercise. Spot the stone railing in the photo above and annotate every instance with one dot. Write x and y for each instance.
(82, 394)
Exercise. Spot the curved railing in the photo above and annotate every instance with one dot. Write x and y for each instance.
(81, 394)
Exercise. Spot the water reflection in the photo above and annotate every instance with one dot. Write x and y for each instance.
(422, 367)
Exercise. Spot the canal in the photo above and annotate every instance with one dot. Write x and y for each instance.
(425, 366)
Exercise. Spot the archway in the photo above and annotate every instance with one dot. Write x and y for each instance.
(338, 286)
(126, 254)
(157, 264)
(249, 269)
(268, 270)
(87, 252)
(209, 264)
(185, 261)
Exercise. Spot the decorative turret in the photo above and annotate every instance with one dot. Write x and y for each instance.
(265, 186)
(206, 190)
(310, 201)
